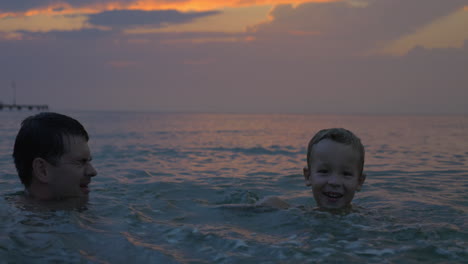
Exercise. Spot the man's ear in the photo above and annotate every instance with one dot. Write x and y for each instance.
(361, 181)
(307, 176)
(39, 170)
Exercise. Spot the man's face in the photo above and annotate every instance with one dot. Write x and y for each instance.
(72, 174)
(334, 174)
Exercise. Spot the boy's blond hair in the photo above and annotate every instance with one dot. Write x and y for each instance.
(339, 135)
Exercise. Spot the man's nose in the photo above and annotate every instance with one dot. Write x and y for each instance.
(91, 171)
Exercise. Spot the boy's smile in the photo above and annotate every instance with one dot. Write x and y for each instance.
(334, 174)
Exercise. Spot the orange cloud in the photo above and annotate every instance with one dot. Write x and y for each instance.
(43, 23)
(208, 40)
(11, 36)
(202, 5)
(62, 8)
(63, 16)
(447, 32)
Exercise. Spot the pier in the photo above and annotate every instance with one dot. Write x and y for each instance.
(15, 106)
(19, 107)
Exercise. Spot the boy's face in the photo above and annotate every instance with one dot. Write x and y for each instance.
(334, 174)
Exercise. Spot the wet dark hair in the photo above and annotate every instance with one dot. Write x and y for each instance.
(42, 136)
(339, 135)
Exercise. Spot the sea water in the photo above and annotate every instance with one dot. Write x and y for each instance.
(166, 181)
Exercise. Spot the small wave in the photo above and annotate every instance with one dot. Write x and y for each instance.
(230, 131)
(273, 150)
(263, 173)
(376, 252)
(239, 197)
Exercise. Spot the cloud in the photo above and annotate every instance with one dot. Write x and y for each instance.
(181, 5)
(11, 36)
(22, 5)
(131, 18)
(344, 26)
(94, 25)
(303, 60)
(26, 5)
(203, 40)
(79, 35)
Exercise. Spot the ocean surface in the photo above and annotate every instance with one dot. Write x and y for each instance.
(166, 184)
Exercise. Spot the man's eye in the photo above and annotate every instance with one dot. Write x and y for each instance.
(322, 171)
(347, 173)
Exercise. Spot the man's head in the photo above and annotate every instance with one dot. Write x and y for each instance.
(335, 161)
(52, 156)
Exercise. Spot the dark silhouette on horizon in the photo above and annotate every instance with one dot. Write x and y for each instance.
(14, 106)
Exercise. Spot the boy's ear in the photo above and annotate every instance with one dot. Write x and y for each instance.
(39, 167)
(361, 181)
(307, 176)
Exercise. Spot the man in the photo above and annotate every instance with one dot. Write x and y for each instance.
(52, 157)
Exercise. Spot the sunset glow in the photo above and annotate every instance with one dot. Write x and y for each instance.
(248, 56)
(62, 8)
(64, 16)
(43, 23)
(447, 32)
(227, 21)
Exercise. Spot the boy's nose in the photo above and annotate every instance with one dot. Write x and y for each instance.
(334, 180)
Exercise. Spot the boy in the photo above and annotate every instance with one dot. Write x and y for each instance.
(335, 162)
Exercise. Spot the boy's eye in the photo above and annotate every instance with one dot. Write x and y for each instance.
(347, 173)
(322, 171)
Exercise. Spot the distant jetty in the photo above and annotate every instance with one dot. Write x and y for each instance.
(20, 107)
(15, 106)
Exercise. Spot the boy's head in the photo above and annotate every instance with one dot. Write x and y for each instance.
(335, 161)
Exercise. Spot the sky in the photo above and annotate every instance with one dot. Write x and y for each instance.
(237, 56)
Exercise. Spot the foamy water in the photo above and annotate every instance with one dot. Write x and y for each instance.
(165, 179)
